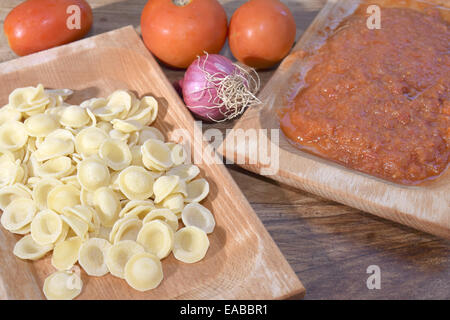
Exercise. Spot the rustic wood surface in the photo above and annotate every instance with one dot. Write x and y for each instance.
(328, 245)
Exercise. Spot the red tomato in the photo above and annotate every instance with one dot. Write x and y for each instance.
(36, 25)
(177, 31)
(261, 33)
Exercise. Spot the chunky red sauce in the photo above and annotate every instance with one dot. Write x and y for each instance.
(377, 101)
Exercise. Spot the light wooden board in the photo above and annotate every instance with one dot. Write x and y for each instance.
(243, 262)
(425, 207)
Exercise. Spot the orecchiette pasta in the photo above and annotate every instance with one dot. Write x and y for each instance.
(164, 186)
(194, 214)
(65, 253)
(197, 190)
(46, 227)
(119, 254)
(115, 153)
(18, 214)
(27, 249)
(190, 244)
(41, 190)
(92, 256)
(136, 183)
(186, 172)
(41, 125)
(13, 135)
(98, 186)
(107, 205)
(93, 174)
(157, 238)
(143, 271)
(156, 154)
(63, 196)
(62, 285)
(165, 215)
(89, 140)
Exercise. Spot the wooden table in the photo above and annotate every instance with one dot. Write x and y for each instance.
(330, 246)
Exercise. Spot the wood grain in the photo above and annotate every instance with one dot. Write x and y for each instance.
(242, 262)
(329, 245)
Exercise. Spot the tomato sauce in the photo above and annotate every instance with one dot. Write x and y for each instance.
(377, 101)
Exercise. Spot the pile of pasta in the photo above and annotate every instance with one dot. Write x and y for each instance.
(96, 185)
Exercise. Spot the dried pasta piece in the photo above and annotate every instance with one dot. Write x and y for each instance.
(105, 113)
(77, 225)
(7, 113)
(93, 174)
(46, 227)
(178, 154)
(54, 168)
(148, 111)
(150, 133)
(119, 254)
(53, 148)
(27, 249)
(174, 202)
(196, 215)
(186, 172)
(24, 230)
(85, 213)
(62, 134)
(165, 215)
(181, 188)
(190, 244)
(10, 193)
(10, 171)
(197, 190)
(115, 153)
(156, 152)
(120, 100)
(28, 99)
(136, 183)
(105, 126)
(143, 272)
(140, 211)
(126, 126)
(136, 156)
(72, 180)
(64, 232)
(107, 205)
(92, 256)
(94, 103)
(74, 117)
(18, 214)
(89, 140)
(63, 196)
(164, 186)
(119, 135)
(41, 125)
(65, 253)
(62, 285)
(13, 135)
(116, 226)
(134, 204)
(41, 190)
(157, 237)
(128, 230)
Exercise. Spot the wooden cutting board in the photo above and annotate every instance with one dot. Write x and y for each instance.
(425, 207)
(243, 262)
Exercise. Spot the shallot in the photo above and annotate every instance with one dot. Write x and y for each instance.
(215, 89)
